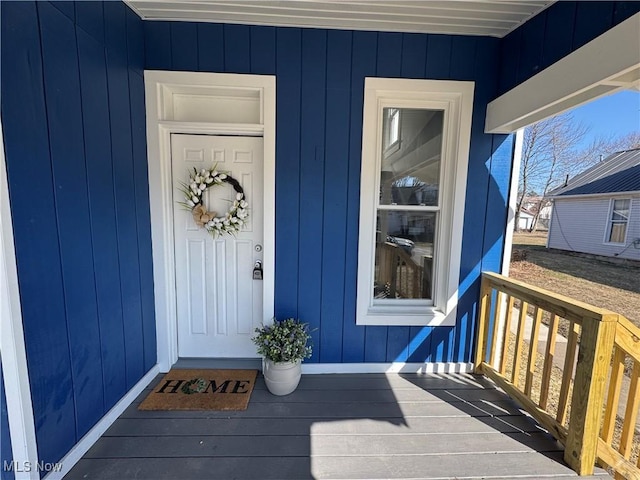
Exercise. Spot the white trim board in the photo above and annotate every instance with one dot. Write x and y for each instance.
(393, 367)
(12, 349)
(160, 87)
(76, 453)
(607, 64)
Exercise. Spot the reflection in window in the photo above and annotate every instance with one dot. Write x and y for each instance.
(391, 128)
(410, 175)
(404, 256)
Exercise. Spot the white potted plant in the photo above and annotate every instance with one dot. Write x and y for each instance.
(284, 345)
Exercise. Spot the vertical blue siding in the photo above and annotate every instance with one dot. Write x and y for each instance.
(336, 168)
(184, 46)
(35, 229)
(64, 118)
(158, 48)
(554, 33)
(237, 46)
(288, 211)
(263, 50)
(73, 120)
(312, 143)
(363, 64)
(320, 90)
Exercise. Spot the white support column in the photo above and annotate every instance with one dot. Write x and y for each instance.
(12, 349)
(512, 201)
(508, 238)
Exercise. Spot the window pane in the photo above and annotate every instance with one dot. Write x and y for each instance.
(618, 232)
(404, 254)
(620, 210)
(411, 170)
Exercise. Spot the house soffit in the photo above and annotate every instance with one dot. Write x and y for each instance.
(495, 18)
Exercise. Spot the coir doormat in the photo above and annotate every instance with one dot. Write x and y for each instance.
(202, 390)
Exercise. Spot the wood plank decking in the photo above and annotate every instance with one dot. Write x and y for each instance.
(371, 426)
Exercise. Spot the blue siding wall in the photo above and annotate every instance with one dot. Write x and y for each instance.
(320, 90)
(554, 33)
(74, 132)
(5, 439)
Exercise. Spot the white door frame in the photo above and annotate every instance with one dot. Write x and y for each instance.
(160, 87)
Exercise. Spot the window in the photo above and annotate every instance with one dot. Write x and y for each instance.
(617, 231)
(415, 147)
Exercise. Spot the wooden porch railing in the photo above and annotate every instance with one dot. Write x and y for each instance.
(576, 398)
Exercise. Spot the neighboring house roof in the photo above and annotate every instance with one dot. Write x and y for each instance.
(619, 172)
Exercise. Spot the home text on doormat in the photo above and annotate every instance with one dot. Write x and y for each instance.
(202, 390)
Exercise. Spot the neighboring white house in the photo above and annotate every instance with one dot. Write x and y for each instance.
(530, 205)
(525, 220)
(598, 211)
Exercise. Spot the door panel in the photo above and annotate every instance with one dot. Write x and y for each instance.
(218, 302)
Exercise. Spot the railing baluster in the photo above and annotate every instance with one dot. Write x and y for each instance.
(631, 413)
(548, 362)
(533, 350)
(567, 373)
(496, 327)
(517, 356)
(507, 334)
(613, 395)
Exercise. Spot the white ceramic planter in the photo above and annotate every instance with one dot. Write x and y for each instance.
(281, 378)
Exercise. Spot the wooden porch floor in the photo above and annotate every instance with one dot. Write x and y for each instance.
(371, 426)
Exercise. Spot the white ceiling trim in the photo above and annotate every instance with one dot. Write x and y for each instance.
(470, 17)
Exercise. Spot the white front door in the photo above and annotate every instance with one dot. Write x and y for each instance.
(218, 302)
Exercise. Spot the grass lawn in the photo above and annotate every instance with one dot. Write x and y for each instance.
(613, 286)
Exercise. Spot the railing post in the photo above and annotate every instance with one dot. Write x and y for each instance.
(483, 321)
(594, 356)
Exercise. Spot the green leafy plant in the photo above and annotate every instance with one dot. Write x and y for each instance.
(283, 341)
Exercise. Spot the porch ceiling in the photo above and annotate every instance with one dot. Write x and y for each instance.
(494, 18)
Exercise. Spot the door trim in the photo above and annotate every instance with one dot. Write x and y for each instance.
(160, 86)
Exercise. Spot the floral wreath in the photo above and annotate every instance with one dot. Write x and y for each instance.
(233, 220)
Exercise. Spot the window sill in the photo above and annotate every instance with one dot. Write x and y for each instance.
(398, 316)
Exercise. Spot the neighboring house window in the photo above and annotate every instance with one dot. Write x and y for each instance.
(415, 149)
(617, 231)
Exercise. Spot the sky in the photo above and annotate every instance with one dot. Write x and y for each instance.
(613, 115)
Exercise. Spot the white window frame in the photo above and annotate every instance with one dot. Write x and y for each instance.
(607, 231)
(456, 100)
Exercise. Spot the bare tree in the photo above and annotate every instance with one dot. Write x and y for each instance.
(548, 150)
(552, 154)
